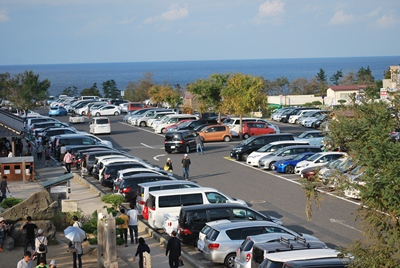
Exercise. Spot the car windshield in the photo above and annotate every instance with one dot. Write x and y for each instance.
(314, 157)
(229, 121)
(249, 140)
(184, 124)
(301, 156)
(266, 148)
(310, 113)
(304, 134)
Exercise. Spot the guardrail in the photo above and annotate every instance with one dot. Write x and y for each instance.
(11, 121)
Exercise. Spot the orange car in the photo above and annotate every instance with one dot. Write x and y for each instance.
(215, 133)
(256, 128)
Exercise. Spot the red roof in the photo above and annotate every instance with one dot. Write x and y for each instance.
(347, 87)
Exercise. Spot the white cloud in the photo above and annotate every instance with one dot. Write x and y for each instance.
(388, 21)
(340, 17)
(3, 16)
(174, 12)
(272, 8)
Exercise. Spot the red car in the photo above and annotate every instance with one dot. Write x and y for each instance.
(310, 173)
(256, 128)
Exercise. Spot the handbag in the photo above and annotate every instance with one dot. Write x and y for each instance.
(71, 248)
(166, 168)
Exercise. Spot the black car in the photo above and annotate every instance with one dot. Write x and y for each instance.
(128, 187)
(193, 218)
(192, 124)
(180, 141)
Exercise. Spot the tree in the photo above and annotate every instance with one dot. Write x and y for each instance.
(208, 91)
(4, 81)
(349, 79)
(70, 91)
(282, 85)
(364, 76)
(111, 90)
(242, 95)
(299, 86)
(25, 89)
(335, 78)
(321, 81)
(139, 91)
(365, 138)
(92, 91)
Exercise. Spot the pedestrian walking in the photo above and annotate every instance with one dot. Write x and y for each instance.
(77, 256)
(168, 165)
(39, 151)
(133, 222)
(143, 247)
(42, 263)
(4, 188)
(31, 172)
(47, 155)
(84, 170)
(4, 228)
(199, 144)
(63, 150)
(174, 250)
(123, 228)
(68, 161)
(29, 229)
(41, 246)
(53, 264)
(185, 165)
(26, 261)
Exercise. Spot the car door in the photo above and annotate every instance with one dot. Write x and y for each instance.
(211, 134)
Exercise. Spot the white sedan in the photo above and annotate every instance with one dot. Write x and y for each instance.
(106, 110)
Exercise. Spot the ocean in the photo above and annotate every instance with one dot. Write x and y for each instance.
(85, 75)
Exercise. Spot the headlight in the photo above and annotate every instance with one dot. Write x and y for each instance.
(238, 149)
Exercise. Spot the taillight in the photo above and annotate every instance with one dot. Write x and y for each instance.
(142, 202)
(181, 141)
(184, 231)
(248, 257)
(107, 176)
(165, 142)
(213, 246)
(125, 190)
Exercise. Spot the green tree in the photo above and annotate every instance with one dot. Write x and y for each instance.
(139, 91)
(242, 95)
(4, 81)
(365, 137)
(364, 76)
(111, 90)
(349, 79)
(25, 88)
(92, 91)
(321, 81)
(208, 91)
(335, 78)
(282, 85)
(70, 91)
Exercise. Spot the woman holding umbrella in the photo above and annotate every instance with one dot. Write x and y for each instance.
(76, 235)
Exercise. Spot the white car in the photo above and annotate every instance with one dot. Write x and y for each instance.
(319, 159)
(106, 110)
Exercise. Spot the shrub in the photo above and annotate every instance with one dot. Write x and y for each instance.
(114, 199)
(10, 202)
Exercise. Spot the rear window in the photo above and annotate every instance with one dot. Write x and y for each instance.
(242, 233)
(102, 121)
(173, 137)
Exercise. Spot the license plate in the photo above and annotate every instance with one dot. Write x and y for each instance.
(172, 147)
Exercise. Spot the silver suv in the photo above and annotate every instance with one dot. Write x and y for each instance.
(218, 240)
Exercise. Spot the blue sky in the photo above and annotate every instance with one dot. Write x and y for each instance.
(91, 31)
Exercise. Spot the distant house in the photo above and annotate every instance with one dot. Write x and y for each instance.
(189, 100)
(344, 92)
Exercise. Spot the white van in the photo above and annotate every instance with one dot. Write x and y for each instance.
(170, 202)
(145, 188)
(172, 119)
(99, 125)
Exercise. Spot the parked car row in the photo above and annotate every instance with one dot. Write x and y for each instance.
(310, 117)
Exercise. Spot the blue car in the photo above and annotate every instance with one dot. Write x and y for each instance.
(287, 166)
(55, 111)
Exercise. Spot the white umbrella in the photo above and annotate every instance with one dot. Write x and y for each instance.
(75, 234)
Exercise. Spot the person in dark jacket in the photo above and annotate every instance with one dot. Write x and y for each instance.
(174, 250)
(143, 247)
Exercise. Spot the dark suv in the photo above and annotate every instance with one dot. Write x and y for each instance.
(180, 141)
(195, 123)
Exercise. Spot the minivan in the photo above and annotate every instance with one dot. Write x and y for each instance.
(171, 201)
(256, 128)
(78, 139)
(99, 125)
(193, 218)
(145, 188)
(234, 124)
(172, 119)
(278, 259)
(255, 156)
(243, 149)
(142, 120)
(128, 187)
(180, 141)
(260, 251)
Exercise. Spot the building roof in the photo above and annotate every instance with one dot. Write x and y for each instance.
(347, 87)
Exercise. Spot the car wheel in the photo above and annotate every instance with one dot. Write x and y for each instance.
(270, 165)
(296, 121)
(142, 124)
(289, 169)
(230, 260)
(187, 149)
(244, 157)
(116, 113)
(227, 138)
(246, 136)
(163, 131)
(98, 114)
(83, 113)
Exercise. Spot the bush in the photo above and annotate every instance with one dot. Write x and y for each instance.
(114, 199)
(92, 241)
(10, 202)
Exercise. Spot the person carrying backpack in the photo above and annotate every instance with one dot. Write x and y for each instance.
(41, 246)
